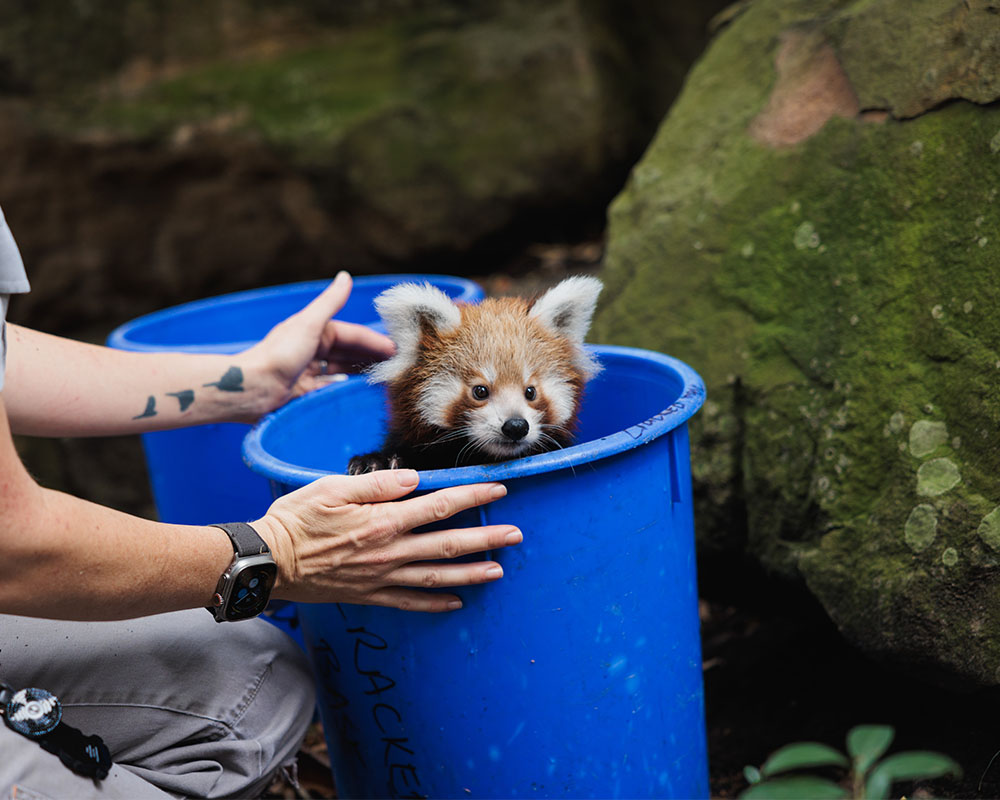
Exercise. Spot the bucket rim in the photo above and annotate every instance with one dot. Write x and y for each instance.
(687, 403)
(123, 337)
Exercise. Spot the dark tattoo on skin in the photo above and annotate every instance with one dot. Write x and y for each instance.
(185, 398)
(232, 381)
(150, 408)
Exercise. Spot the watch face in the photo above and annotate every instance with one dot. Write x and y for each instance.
(251, 588)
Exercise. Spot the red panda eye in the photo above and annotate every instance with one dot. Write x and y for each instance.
(480, 392)
(530, 393)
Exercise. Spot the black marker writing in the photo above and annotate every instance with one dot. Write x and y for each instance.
(391, 743)
(378, 707)
(327, 665)
(150, 408)
(380, 683)
(636, 431)
(402, 778)
(232, 381)
(400, 770)
(347, 735)
(185, 398)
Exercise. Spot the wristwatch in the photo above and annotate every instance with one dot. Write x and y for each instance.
(245, 586)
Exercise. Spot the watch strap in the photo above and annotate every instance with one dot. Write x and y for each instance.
(246, 541)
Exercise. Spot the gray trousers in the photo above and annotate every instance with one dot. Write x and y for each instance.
(188, 707)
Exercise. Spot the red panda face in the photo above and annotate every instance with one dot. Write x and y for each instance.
(502, 379)
(507, 401)
(508, 420)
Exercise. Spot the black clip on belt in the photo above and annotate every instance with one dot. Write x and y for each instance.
(37, 715)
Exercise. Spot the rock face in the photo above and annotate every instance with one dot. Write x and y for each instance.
(194, 148)
(814, 229)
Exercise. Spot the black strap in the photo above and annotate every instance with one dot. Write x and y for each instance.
(246, 541)
(36, 714)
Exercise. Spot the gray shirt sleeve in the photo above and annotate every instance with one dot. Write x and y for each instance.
(13, 280)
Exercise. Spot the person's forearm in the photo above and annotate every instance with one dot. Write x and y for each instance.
(67, 558)
(59, 387)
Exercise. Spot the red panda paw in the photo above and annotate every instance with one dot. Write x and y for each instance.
(371, 462)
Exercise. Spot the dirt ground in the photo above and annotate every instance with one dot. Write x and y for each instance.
(781, 673)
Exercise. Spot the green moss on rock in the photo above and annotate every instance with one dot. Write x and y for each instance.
(426, 127)
(926, 437)
(921, 528)
(839, 299)
(303, 99)
(989, 529)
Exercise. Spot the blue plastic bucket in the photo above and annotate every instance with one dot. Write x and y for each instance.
(576, 675)
(197, 474)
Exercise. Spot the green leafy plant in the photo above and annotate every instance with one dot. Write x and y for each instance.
(870, 778)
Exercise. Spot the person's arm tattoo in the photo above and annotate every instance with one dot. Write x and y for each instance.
(150, 408)
(184, 397)
(232, 381)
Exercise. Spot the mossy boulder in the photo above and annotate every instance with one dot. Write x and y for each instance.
(171, 150)
(425, 126)
(814, 229)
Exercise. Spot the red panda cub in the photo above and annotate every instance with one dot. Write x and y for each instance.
(477, 384)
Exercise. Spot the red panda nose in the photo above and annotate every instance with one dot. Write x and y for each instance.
(515, 428)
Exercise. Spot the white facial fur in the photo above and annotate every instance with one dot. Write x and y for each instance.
(403, 308)
(561, 396)
(437, 396)
(485, 423)
(566, 309)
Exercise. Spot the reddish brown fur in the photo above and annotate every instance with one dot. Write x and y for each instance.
(498, 331)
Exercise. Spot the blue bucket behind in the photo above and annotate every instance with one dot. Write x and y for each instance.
(576, 675)
(197, 474)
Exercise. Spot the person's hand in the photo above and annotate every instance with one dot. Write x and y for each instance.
(302, 352)
(349, 539)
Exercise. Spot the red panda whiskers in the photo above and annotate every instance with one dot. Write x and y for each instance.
(482, 383)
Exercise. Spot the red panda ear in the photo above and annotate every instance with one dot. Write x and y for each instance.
(567, 309)
(405, 310)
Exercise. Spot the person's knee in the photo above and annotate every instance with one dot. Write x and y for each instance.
(265, 688)
(255, 721)
(278, 716)
(286, 697)
(194, 707)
